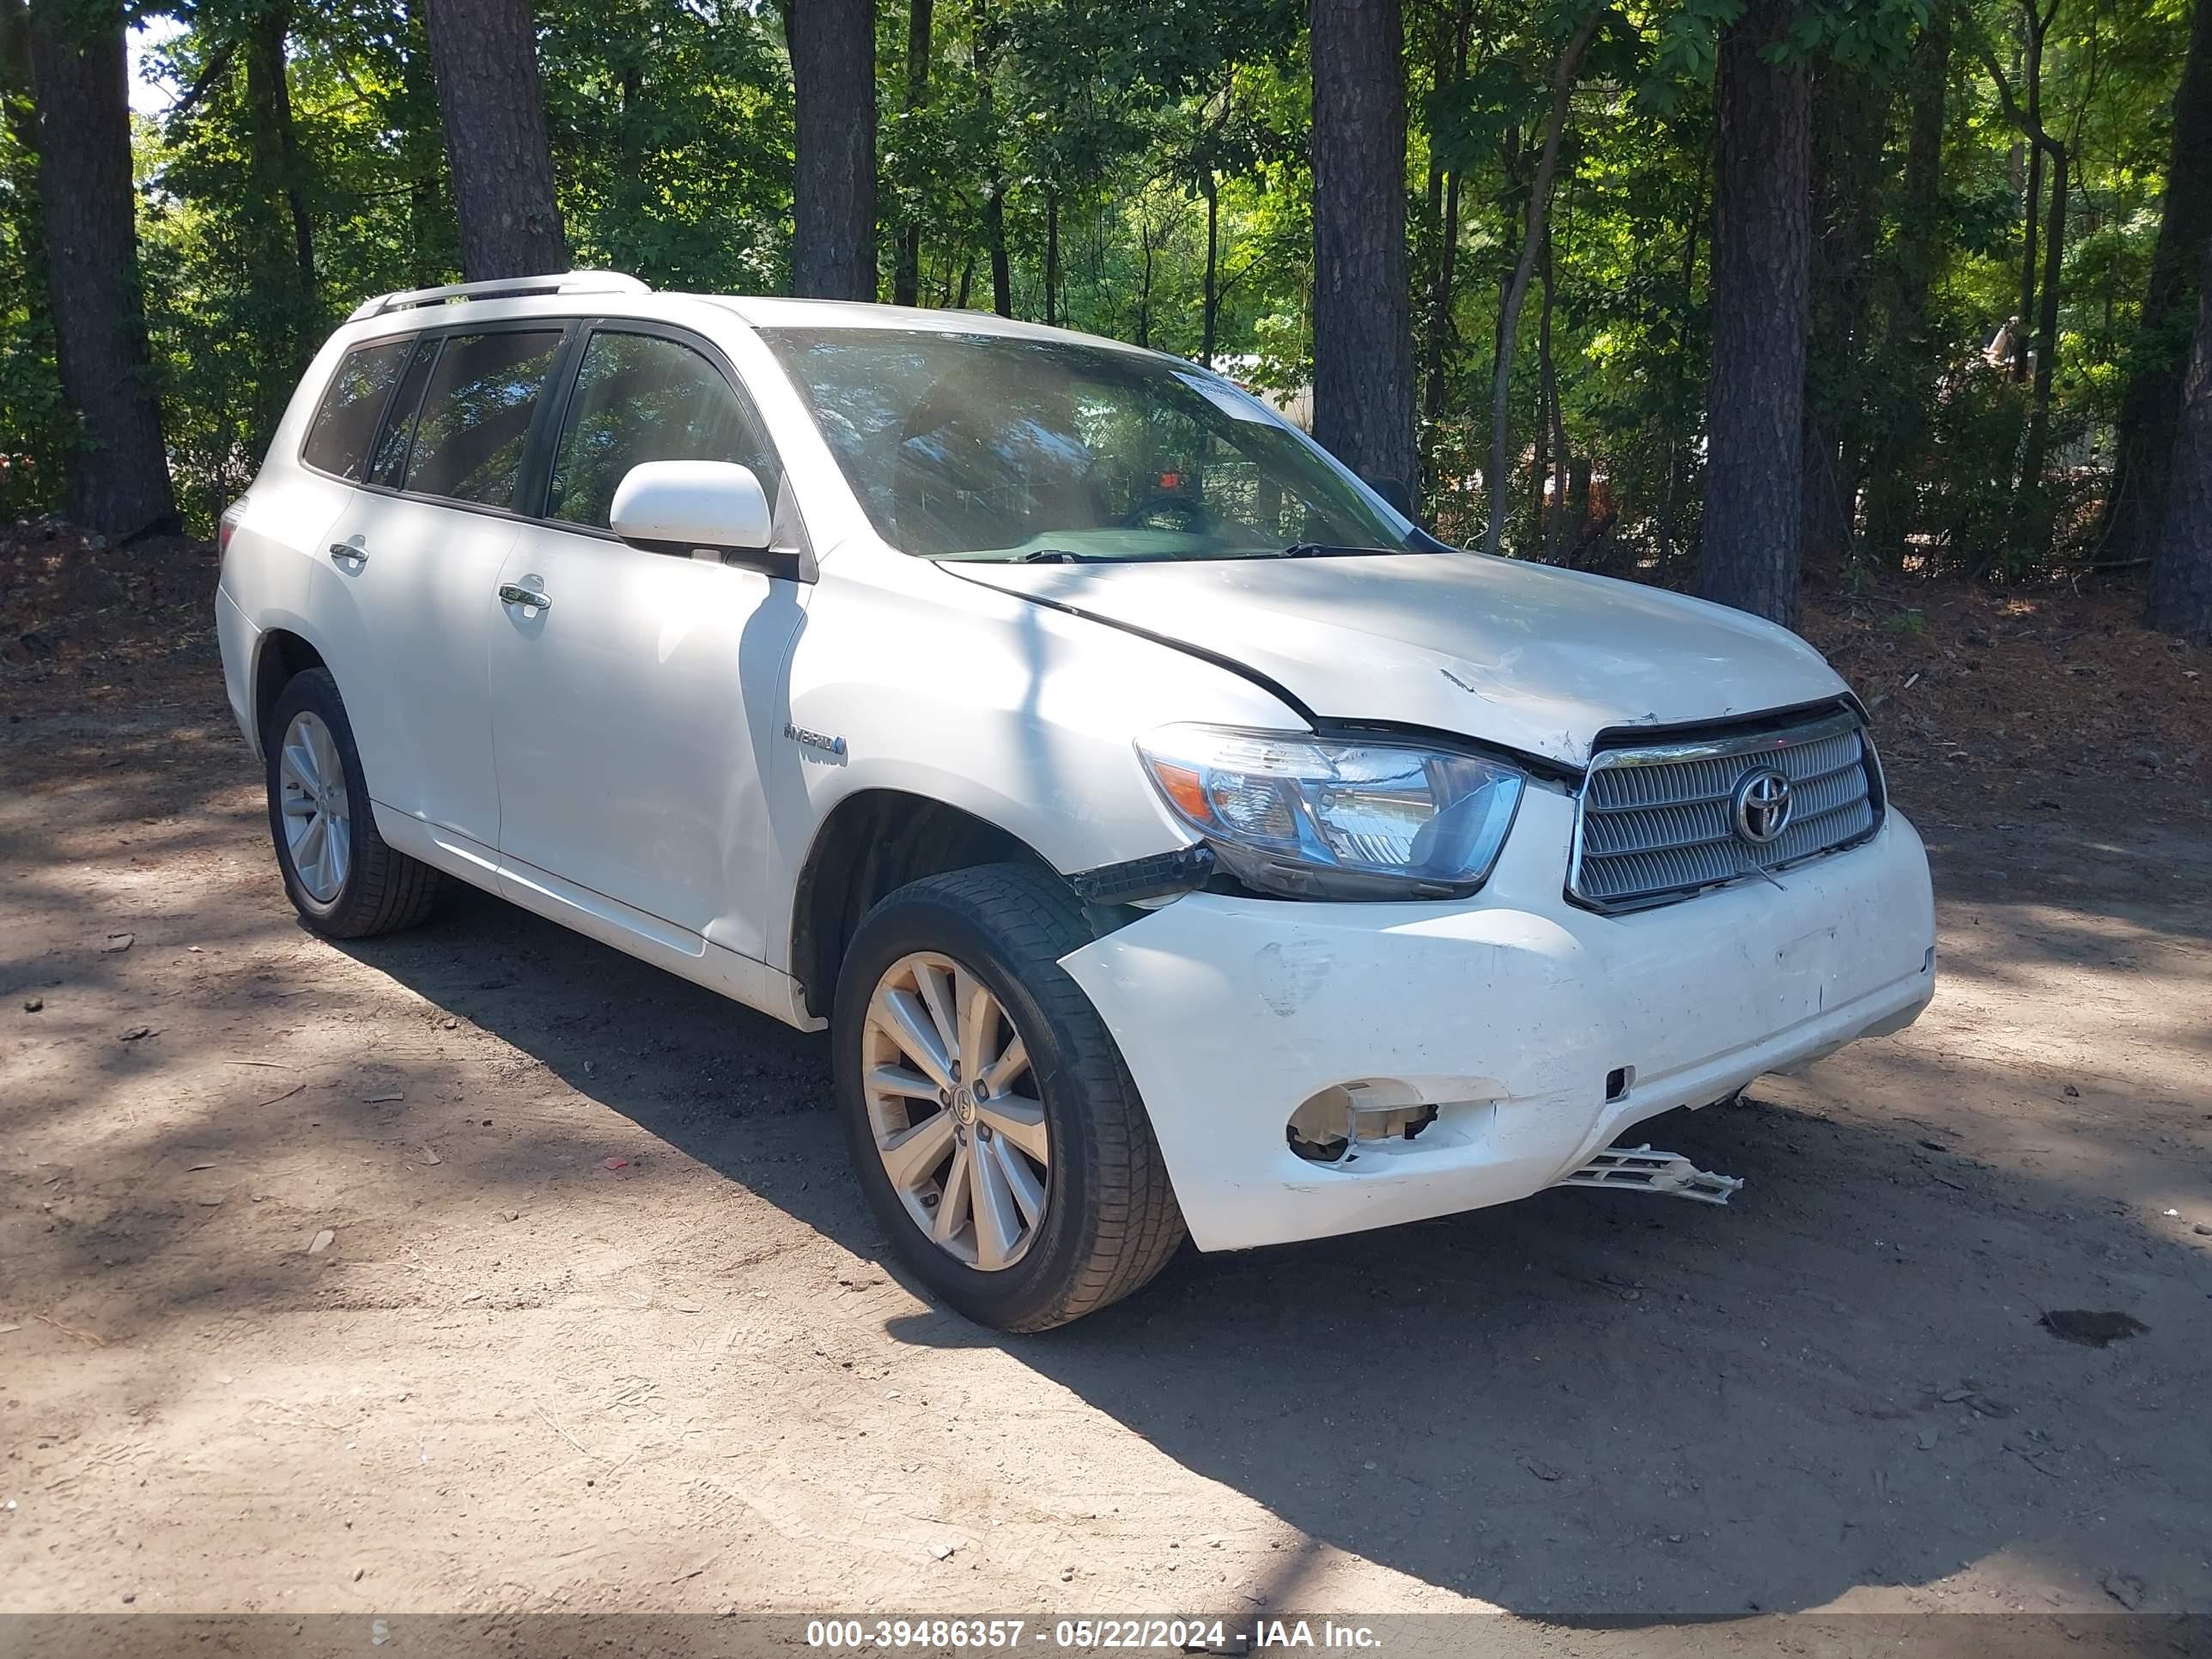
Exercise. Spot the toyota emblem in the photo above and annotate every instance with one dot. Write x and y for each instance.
(1761, 805)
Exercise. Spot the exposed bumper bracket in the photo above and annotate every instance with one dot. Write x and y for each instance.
(1159, 876)
(1645, 1170)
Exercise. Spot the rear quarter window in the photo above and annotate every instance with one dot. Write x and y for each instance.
(344, 423)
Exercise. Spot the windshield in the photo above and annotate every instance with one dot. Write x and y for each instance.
(993, 447)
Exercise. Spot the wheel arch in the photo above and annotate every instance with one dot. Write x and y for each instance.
(872, 842)
(280, 657)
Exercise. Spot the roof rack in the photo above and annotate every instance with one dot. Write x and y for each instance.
(502, 288)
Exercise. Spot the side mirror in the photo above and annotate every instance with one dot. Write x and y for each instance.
(676, 506)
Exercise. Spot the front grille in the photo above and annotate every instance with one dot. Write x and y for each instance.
(1660, 822)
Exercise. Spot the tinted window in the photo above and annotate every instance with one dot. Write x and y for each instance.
(640, 398)
(475, 414)
(345, 421)
(391, 463)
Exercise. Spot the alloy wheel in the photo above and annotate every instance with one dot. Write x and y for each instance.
(317, 816)
(943, 1070)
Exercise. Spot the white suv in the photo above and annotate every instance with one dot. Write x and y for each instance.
(1172, 836)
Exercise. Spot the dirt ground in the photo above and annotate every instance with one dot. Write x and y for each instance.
(482, 1269)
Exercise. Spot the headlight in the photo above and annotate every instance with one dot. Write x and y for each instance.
(1317, 817)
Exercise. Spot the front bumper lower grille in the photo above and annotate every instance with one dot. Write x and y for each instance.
(1658, 822)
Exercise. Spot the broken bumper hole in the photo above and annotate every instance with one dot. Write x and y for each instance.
(1328, 1127)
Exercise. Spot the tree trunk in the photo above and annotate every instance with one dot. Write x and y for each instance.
(118, 470)
(1440, 301)
(2181, 569)
(1850, 120)
(2031, 215)
(906, 279)
(1363, 315)
(433, 248)
(833, 72)
(994, 232)
(1534, 239)
(1443, 215)
(1762, 247)
(1825, 510)
(1578, 505)
(274, 147)
(1670, 538)
(1051, 259)
(2037, 518)
(995, 182)
(1547, 383)
(484, 54)
(1144, 285)
(1210, 314)
(2150, 407)
(1898, 443)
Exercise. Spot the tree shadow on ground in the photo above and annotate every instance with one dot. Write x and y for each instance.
(1581, 1407)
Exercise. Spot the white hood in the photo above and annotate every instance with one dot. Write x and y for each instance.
(1526, 656)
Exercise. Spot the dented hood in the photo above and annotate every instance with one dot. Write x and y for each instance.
(1523, 655)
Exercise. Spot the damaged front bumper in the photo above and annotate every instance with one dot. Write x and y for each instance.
(1521, 1034)
(1641, 1169)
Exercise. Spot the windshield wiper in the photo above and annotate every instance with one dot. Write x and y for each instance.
(1324, 550)
(1062, 556)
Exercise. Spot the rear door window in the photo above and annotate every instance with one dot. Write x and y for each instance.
(477, 413)
(646, 397)
(345, 421)
(389, 465)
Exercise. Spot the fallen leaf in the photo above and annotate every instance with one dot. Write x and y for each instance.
(118, 941)
(430, 1156)
(136, 1032)
(323, 1241)
(616, 1163)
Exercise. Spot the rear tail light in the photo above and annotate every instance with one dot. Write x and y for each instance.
(227, 526)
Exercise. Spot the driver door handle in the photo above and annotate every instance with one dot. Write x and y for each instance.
(352, 550)
(510, 593)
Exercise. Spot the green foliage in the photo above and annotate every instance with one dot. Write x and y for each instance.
(1111, 132)
(33, 425)
(672, 130)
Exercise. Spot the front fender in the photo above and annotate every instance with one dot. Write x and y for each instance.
(905, 678)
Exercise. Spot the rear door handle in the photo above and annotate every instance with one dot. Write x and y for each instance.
(510, 593)
(352, 550)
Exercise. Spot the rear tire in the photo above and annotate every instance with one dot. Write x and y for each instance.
(352, 884)
(1108, 1220)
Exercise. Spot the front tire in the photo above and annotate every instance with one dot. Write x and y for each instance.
(993, 1126)
(341, 875)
